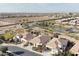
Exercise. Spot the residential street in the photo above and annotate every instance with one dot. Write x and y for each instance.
(21, 52)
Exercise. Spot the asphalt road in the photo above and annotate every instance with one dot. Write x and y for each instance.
(21, 52)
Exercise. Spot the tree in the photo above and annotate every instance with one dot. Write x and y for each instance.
(2, 37)
(70, 14)
(8, 36)
(3, 49)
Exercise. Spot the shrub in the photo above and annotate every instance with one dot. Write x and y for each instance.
(4, 49)
(1, 42)
(26, 44)
(65, 54)
(34, 48)
(8, 36)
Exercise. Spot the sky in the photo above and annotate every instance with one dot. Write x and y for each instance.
(39, 7)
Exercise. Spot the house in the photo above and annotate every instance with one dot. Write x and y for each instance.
(37, 30)
(63, 21)
(40, 40)
(58, 21)
(63, 43)
(24, 38)
(20, 31)
(74, 22)
(57, 44)
(53, 46)
(17, 38)
(75, 49)
(77, 22)
(27, 37)
(67, 37)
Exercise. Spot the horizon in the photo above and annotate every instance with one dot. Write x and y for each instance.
(38, 7)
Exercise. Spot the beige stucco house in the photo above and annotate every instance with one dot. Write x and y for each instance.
(75, 48)
(57, 44)
(40, 40)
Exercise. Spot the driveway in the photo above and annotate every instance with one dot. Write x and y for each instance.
(21, 52)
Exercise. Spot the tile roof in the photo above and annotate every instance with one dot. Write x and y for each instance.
(29, 36)
(55, 42)
(41, 39)
(44, 39)
(75, 48)
(63, 41)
